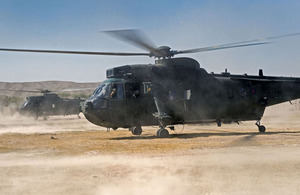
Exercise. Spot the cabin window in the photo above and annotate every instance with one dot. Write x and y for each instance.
(147, 87)
(187, 94)
(132, 90)
(117, 91)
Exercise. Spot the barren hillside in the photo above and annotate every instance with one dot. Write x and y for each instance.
(43, 85)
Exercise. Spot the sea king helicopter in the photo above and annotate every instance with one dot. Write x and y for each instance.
(49, 104)
(177, 90)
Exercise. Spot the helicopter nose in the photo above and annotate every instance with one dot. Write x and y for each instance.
(23, 111)
(87, 105)
(93, 114)
(87, 108)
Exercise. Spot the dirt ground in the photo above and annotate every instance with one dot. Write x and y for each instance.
(66, 155)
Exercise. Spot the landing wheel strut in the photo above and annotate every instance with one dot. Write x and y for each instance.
(261, 128)
(162, 133)
(137, 130)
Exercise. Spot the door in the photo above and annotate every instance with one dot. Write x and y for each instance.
(135, 109)
(117, 104)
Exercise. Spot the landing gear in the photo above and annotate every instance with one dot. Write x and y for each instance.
(162, 133)
(163, 118)
(261, 128)
(137, 130)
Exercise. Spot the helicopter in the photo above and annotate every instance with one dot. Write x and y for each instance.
(49, 104)
(177, 90)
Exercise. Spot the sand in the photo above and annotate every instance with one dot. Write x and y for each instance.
(66, 155)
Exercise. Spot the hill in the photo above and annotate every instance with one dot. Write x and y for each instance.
(54, 86)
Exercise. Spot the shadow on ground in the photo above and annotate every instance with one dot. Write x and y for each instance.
(196, 135)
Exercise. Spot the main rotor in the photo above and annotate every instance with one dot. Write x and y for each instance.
(46, 91)
(139, 39)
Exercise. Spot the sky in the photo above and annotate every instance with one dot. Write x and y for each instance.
(78, 24)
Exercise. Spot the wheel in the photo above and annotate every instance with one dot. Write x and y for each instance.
(262, 129)
(163, 133)
(137, 130)
(158, 132)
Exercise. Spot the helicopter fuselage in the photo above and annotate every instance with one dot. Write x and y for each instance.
(49, 104)
(141, 95)
(177, 90)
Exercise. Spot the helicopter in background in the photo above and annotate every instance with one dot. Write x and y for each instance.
(49, 104)
(178, 91)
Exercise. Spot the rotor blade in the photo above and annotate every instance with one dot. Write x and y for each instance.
(81, 89)
(237, 44)
(20, 90)
(217, 48)
(76, 52)
(263, 39)
(135, 37)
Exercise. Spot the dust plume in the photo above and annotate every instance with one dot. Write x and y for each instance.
(85, 159)
(229, 170)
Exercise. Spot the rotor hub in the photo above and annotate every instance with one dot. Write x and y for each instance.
(162, 52)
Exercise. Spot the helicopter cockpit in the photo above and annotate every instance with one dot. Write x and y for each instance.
(30, 105)
(111, 100)
(25, 106)
(116, 89)
(102, 91)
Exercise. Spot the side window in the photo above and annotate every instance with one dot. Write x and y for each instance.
(187, 94)
(132, 90)
(117, 91)
(147, 87)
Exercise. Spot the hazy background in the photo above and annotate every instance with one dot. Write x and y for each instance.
(77, 25)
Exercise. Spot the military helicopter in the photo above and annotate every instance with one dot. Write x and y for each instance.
(178, 91)
(49, 104)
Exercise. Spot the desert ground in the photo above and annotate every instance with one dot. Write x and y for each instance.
(67, 155)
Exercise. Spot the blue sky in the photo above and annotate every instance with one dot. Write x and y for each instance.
(77, 25)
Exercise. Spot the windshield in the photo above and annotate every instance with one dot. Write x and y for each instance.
(103, 91)
(25, 104)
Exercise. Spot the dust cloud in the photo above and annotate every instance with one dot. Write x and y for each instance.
(232, 159)
(28, 125)
(219, 171)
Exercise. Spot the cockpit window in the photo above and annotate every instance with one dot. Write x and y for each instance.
(117, 91)
(103, 90)
(30, 104)
(25, 104)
